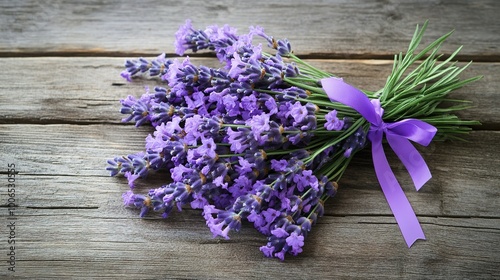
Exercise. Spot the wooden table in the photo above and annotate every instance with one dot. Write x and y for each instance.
(60, 122)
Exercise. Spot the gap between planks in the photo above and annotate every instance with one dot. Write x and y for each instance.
(328, 56)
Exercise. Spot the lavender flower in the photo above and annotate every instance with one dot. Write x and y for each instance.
(136, 67)
(189, 38)
(355, 142)
(139, 201)
(137, 109)
(332, 122)
(255, 140)
(225, 221)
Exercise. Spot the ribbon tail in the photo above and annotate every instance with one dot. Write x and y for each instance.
(399, 204)
(411, 159)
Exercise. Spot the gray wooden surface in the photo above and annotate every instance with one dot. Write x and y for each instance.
(59, 122)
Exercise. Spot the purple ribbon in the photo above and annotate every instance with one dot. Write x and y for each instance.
(398, 135)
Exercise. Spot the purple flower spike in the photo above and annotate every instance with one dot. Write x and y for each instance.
(305, 179)
(188, 38)
(332, 122)
(131, 178)
(137, 109)
(207, 147)
(239, 141)
(295, 241)
(259, 125)
(298, 112)
(128, 198)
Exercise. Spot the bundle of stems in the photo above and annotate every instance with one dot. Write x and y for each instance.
(259, 139)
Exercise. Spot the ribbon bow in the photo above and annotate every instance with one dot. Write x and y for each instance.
(398, 135)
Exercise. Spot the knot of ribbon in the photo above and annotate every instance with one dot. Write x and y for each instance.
(398, 135)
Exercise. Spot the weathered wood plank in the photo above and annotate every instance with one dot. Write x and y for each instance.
(88, 90)
(70, 218)
(76, 243)
(59, 122)
(336, 28)
(71, 159)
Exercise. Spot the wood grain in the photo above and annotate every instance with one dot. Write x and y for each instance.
(59, 122)
(342, 28)
(88, 90)
(125, 247)
(76, 155)
(75, 221)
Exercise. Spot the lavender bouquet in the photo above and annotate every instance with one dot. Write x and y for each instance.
(266, 137)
